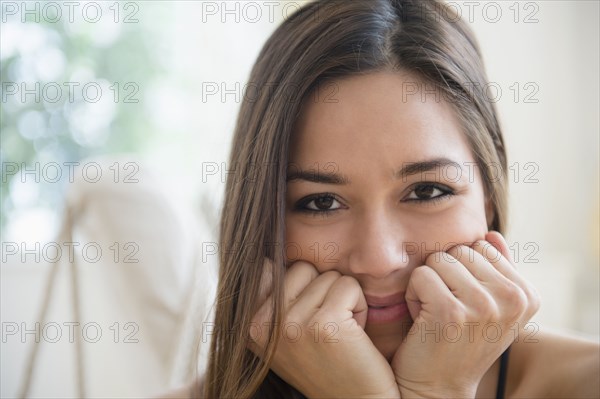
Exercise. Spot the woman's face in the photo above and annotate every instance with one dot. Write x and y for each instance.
(376, 182)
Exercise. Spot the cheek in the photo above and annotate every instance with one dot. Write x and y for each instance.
(319, 245)
(464, 223)
(327, 246)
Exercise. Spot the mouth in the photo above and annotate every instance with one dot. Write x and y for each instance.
(386, 309)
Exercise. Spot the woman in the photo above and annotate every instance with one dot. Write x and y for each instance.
(361, 236)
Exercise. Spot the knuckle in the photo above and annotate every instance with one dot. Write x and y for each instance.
(347, 281)
(298, 276)
(490, 252)
(454, 250)
(421, 274)
(434, 257)
(454, 312)
(332, 274)
(534, 300)
(486, 308)
(464, 250)
(305, 267)
(322, 316)
(460, 251)
(516, 300)
(482, 244)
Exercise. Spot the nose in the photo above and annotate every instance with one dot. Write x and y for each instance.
(378, 249)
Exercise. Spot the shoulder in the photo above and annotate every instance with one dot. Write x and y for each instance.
(554, 364)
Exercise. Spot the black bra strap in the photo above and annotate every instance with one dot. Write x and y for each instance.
(502, 375)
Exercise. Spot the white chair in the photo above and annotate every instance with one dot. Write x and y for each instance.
(149, 292)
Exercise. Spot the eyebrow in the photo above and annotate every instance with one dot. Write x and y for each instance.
(413, 168)
(408, 169)
(315, 176)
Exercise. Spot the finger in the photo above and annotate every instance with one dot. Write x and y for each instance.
(297, 278)
(505, 267)
(498, 261)
(475, 263)
(452, 272)
(346, 300)
(496, 287)
(425, 292)
(259, 327)
(312, 297)
(498, 241)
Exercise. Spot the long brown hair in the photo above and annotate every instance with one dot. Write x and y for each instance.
(321, 42)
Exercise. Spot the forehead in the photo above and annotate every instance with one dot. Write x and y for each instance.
(380, 119)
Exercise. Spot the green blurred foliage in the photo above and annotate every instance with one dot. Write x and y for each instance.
(132, 60)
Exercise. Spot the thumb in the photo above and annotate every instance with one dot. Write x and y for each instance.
(498, 241)
(412, 301)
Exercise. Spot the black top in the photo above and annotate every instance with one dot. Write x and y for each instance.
(502, 375)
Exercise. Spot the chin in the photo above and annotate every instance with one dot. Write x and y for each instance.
(387, 338)
(388, 351)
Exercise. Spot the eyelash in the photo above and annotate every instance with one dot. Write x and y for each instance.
(447, 192)
(301, 205)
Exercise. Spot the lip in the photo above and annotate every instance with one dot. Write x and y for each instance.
(374, 300)
(386, 309)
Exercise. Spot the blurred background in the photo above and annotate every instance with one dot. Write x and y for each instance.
(112, 110)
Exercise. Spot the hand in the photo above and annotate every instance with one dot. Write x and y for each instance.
(323, 350)
(464, 303)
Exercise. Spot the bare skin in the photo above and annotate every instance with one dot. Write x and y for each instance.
(382, 233)
(366, 135)
(534, 371)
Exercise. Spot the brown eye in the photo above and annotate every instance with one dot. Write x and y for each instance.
(322, 203)
(428, 192)
(425, 192)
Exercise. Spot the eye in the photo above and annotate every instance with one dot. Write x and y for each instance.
(318, 203)
(429, 192)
